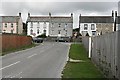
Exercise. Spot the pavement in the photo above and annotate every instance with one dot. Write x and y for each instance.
(44, 61)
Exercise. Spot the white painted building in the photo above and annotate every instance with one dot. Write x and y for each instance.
(52, 26)
(96, 25)
(89, 28)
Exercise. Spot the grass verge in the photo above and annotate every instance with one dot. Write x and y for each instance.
(82, 70)
(17, 49)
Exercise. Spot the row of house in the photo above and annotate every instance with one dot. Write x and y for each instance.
(98, 25)
(60, 26)
(52, 26)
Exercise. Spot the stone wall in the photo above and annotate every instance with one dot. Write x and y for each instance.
(104, 27)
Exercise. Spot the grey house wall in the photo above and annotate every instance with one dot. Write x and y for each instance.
(106, 53)
(64, 31)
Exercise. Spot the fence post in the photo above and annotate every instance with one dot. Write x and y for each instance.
(90, 41)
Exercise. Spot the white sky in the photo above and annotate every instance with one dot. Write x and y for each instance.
(58, 7)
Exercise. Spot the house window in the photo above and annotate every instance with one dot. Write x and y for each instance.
(31, 31)
(66, 32)
(38, 31)
(11, 31)
(5, 24)
(92, 27)
(44, 31)
(85, 26)
(37, 24)
(65, 25)
(52, 25)
(59, 31)
(52, 31)
(12, 25)
(59, 25)
(31, 25)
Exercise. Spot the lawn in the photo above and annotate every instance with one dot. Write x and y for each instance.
(82, 70)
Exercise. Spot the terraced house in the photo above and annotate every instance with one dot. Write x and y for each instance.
(96, 25)
(11, 24)
(52, 26)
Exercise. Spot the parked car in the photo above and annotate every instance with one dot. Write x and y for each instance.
(60, 39)
(37, 40)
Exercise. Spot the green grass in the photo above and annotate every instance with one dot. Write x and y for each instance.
(10, 50)
(83, 69)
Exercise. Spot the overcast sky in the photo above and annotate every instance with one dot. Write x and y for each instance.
(58, 7)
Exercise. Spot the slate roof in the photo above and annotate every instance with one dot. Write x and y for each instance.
(96, 19)
(47, 19)
(10, 19)
(38, 18)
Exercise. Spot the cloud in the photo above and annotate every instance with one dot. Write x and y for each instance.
(58, 8)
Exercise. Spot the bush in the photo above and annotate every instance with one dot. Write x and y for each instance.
(42, 36)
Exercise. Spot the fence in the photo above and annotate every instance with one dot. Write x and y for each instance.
(105, 53)
(10, 41)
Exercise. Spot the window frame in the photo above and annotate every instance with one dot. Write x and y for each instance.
(93, 27)
(85, 26)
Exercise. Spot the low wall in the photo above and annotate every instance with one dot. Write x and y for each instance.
(10, 41)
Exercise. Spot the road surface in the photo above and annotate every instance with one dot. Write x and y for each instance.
(44, 61)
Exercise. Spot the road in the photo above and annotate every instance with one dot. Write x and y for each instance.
(44, 61)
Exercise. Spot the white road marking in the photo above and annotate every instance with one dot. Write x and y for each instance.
(31, 56)
(10, 65)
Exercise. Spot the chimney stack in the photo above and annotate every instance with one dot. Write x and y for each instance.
(49, 14)
(115, 13)
(112, 13)
(28, 14)
(19, 14)
(72, 15)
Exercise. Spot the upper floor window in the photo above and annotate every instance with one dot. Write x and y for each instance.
(31, 24)
(12, 25)
(37, 24)
(65, 25)
(59, 25)
(85, 26)
(92, 27)
(52, 31)
(5, 24)
(52, 25)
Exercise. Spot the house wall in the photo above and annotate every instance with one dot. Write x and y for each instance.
(41, 26)
(9, 28)
(65, 30)
(20, 26)
(88, 30)
(117, 27)
(104, 27)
